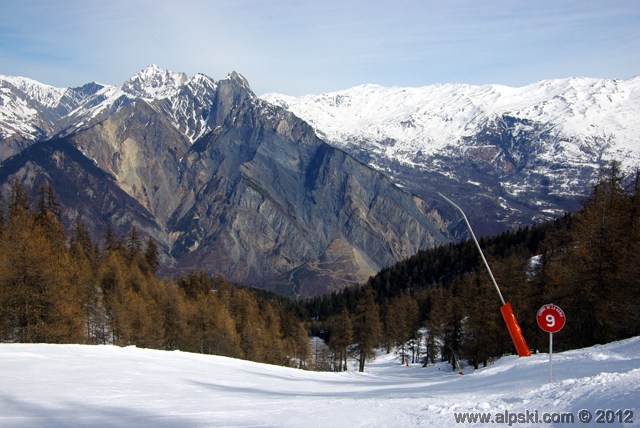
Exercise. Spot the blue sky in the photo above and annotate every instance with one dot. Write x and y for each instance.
(299, 47)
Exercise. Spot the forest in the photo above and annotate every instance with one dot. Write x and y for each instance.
(63, 288)
(59, 286)
(441, 303)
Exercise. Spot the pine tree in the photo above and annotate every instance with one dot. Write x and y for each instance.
(431, 348)
(592, 266)
(250, 326)
(134, 244)
(83, 275)
(81, 240)
(112, 283)
(434, 321)
(225, 339)
(405, 310)
(367, 327)
(111, 241)
(341, 336)
(18, 200)
(482, 338)
(629, 324)
(39, 302)
(152, 255)
(298, 344)
(173, 313)
(48, 217)
(452, 309)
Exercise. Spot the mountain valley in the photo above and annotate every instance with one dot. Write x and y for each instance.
(307, 195)
(222, 180)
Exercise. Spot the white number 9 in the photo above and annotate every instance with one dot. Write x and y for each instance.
(551, 320)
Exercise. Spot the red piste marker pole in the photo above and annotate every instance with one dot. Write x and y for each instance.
(507, 311)
(551, 319)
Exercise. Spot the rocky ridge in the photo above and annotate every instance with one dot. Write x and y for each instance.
(224, 181)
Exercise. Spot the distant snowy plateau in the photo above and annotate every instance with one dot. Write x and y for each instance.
(513, 155)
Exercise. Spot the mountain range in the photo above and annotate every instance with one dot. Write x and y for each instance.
(306, 195)
(509, 156)
(222, 180)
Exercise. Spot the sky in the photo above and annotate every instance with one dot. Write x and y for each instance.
(305, 46)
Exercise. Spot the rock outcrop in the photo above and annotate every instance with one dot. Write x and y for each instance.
(229, 184)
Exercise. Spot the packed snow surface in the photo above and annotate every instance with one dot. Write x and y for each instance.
(105, 386)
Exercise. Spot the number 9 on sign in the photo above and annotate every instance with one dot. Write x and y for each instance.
(551, 318)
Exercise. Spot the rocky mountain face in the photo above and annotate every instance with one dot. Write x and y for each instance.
(508, 156)
(31, 111)
(222, 180)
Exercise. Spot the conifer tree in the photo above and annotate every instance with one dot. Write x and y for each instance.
(81, 238)
(591, 267)
(48, 205)
(406, 313)
(341, 336)
(2, 215)
(134, 244)
(298, 345)
(152, 255)
(431, 348)
(224, 339)
(82, 274)
(39, 303)
(367, 327)
(483, 323)
(111, 241)
(112, 283)
(18, 199)
(451, 308)
(173, 313)
(250, 326)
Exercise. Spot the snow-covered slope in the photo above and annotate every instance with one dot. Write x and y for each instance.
(21, 102)
(510, 156)
(46, 95)
(34, 111)
(399, 122)
(184, 100)
(91, 386)
(154, 83)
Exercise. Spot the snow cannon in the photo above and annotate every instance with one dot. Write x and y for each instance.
(514, 330)
(507, 311)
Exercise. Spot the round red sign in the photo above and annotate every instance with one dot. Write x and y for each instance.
(551, 318)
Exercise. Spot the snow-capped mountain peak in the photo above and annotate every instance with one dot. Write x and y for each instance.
(431, 117)
(46, 95)
(154, 83)
(22, 102)
(234, 75)
(32, 110)
(398, 122)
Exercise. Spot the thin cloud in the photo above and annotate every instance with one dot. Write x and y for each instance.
(301, 47)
